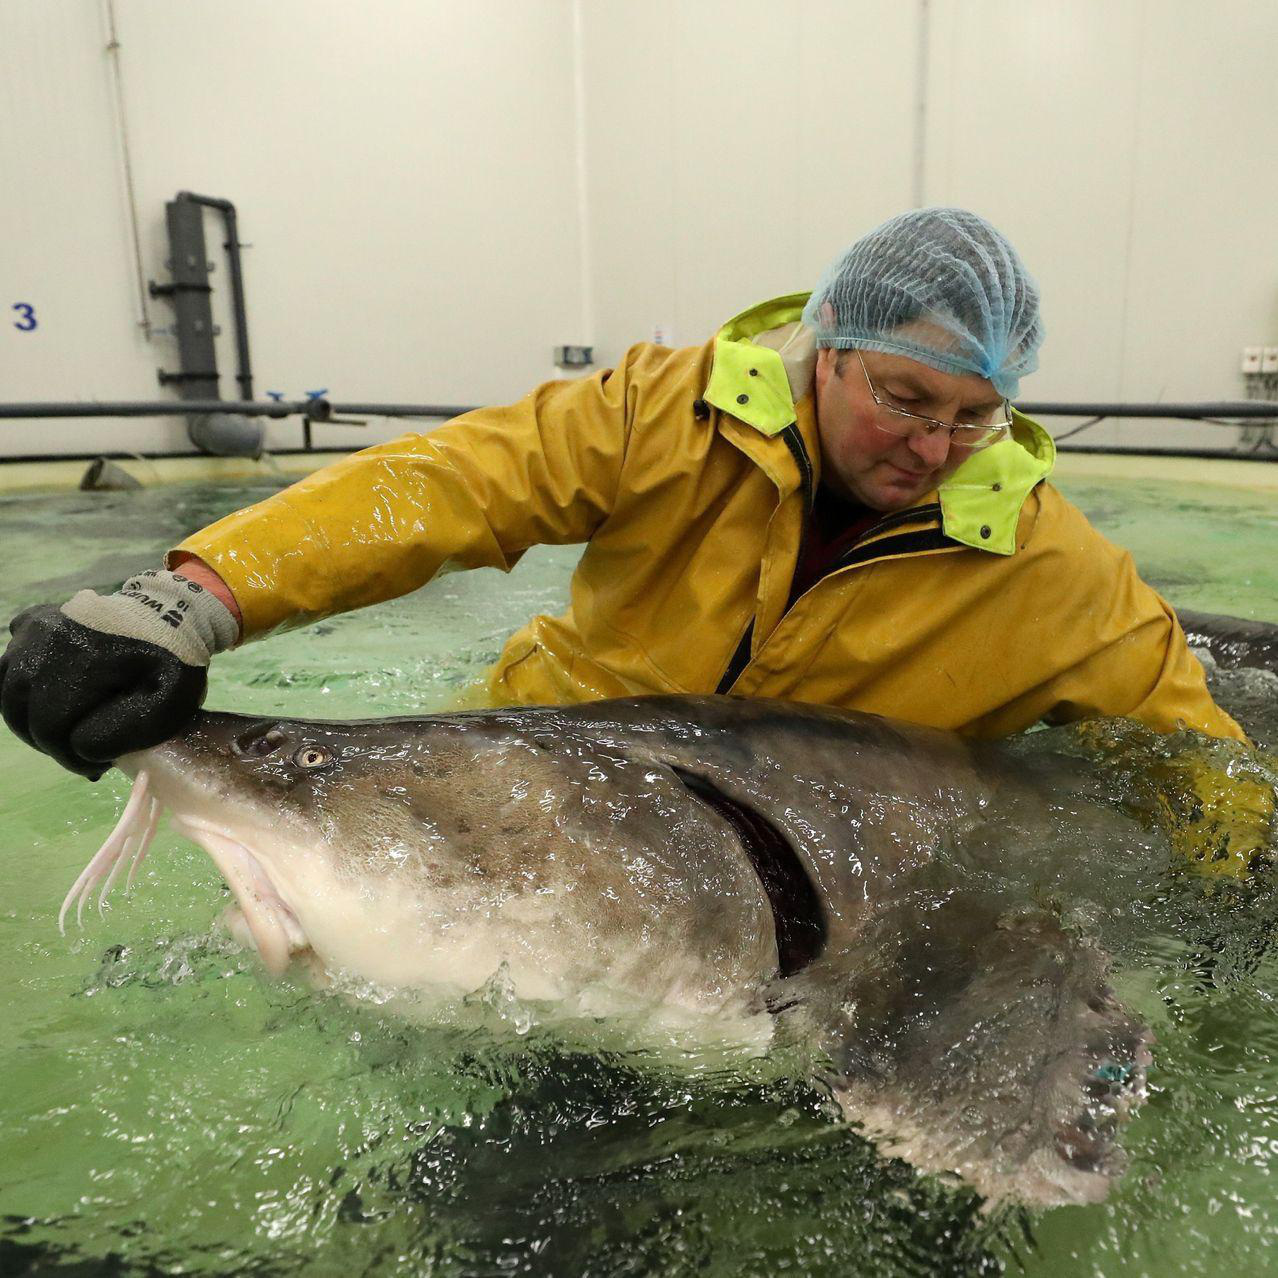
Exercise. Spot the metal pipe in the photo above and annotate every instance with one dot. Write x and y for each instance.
(147, 408)
(158, 455)
(319, 410)
(188, 292)
(244, 372)
(117, 83)
(1239, 408)
(1215, 454)
(1250, 409)
(401, 410)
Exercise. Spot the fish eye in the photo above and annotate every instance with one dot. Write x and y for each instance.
(259, 744)
(311, 757)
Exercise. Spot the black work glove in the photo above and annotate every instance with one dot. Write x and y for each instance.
(106, 675)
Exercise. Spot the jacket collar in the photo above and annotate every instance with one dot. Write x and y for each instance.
(761, 375)
(748, 377)
(981, 501)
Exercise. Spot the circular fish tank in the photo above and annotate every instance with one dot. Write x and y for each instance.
(168, 1109)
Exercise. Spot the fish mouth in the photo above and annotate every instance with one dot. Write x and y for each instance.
(274, 928)
(797, 917)
(271, 924)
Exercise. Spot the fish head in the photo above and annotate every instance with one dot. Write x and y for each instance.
(432, 852)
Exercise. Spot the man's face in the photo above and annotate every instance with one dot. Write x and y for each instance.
(882, 470)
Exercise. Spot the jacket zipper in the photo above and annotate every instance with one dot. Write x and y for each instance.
(861, 552)
(794, 442)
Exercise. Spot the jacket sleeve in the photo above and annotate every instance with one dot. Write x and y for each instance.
(1135, 661)
(476, 492)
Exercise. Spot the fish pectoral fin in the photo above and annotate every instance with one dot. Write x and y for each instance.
(987, 1046)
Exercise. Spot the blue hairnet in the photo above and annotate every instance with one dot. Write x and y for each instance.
(946, 267)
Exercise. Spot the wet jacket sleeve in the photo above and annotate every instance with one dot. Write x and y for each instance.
(476, 492)
(1136, 661)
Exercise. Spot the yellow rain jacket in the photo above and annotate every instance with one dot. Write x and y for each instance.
(689, 474)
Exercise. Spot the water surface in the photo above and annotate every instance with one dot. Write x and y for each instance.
(167, 1110)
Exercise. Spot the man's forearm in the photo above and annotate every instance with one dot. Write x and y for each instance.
(198, 571)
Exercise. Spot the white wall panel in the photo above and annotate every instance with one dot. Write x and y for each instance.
(65, 232)
(734, 147)
(1112, 142)
(410, 176)
(1031, 112)
(404, 171)
(1203, 275)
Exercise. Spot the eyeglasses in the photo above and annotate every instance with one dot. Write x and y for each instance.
(900, 421)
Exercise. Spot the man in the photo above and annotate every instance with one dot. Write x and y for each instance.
(832, 501)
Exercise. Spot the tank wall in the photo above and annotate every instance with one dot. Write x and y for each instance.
(1119, 145)
(404, 172)
(436, 195)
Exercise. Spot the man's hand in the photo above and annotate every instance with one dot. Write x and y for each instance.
(106, 675)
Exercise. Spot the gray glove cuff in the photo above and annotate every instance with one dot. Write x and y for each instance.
(163, 608)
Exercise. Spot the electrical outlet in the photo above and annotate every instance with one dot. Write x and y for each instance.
(1269, 359)
(574, 356)
(1252, 357)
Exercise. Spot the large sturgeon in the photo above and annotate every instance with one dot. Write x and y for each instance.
(838, 874)
(1234, 642)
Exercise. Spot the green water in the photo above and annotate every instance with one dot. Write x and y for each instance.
(164, 1109)
(1205, 547)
